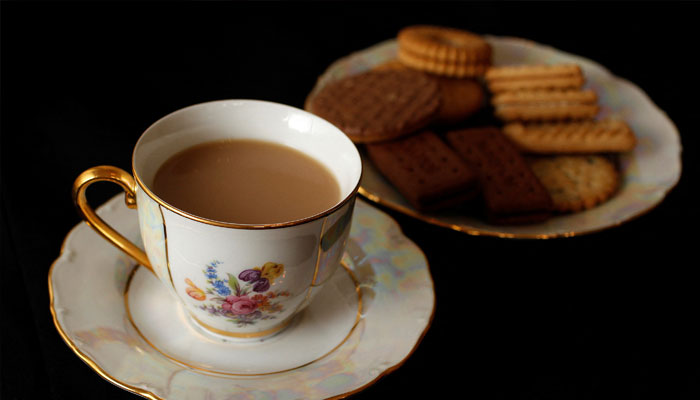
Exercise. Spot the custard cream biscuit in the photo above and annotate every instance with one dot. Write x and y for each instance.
(605, 136)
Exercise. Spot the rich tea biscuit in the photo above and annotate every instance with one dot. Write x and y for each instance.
(444, 51)
(425, 171)
(378, 105)
(510, 190)
(577, 182)
(545, 112)
(604, 136)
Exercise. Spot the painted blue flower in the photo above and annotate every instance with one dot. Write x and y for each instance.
(221, 288)
(210, 273)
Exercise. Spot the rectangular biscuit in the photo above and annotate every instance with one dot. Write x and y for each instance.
(531, 97)
(532, 71)
(545, 83)
(425, 171)
(511, 191)
(545, 112)
(604, 136)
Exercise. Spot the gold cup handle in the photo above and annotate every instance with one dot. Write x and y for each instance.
(123, 179)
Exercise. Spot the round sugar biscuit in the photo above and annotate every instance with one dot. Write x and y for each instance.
(444, 51)
(577, 182)
(378, 105)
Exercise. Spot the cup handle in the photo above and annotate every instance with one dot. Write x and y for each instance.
(126, 181)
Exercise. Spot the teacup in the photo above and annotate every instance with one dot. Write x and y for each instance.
(234, 280)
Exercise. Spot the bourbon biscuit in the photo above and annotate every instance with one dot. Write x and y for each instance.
(378, 105)
(545, 112)
(577, 182)
(605, 136)
(425, 171)
(510, 190)
(530, 97)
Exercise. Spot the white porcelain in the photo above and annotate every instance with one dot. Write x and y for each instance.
(125, 324)
(241, 280)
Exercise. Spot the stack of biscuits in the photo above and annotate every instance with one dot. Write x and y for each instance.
(546, 112)
(414, 117)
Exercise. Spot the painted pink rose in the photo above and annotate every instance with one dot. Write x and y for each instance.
(239, 305)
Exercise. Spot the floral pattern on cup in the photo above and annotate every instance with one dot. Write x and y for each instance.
(245, 299)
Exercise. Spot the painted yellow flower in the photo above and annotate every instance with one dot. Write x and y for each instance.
(194, 292)
(271, 271)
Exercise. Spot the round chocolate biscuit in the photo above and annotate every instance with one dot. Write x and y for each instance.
(378, 105)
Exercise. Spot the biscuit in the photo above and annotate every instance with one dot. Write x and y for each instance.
(511, 192)
(459, 99)
(545, 112)
(532, 71)
(577, 182)
(378, 105)
(392, 64)
(444, 51)
(425, 171)
(556, 83)
(605, 136)
(534, 77)
(527, 97)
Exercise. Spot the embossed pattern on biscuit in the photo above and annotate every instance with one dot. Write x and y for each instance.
(511, 192)
(602, 136)
(444, 51)
(424, 170)
(529, 97)
(444, 44)
(534, 77)
(378, 105)
(577, 183)
(546, 111)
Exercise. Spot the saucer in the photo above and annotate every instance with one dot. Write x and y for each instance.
(120, 320)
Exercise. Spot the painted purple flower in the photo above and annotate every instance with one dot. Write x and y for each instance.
(262, 285)
(239, 305)
(249, 275)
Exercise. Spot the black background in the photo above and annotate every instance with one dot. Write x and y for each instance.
(611, 314)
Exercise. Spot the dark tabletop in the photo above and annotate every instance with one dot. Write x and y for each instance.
(607, 314)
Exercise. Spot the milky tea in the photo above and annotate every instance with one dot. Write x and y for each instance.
(246, 181)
